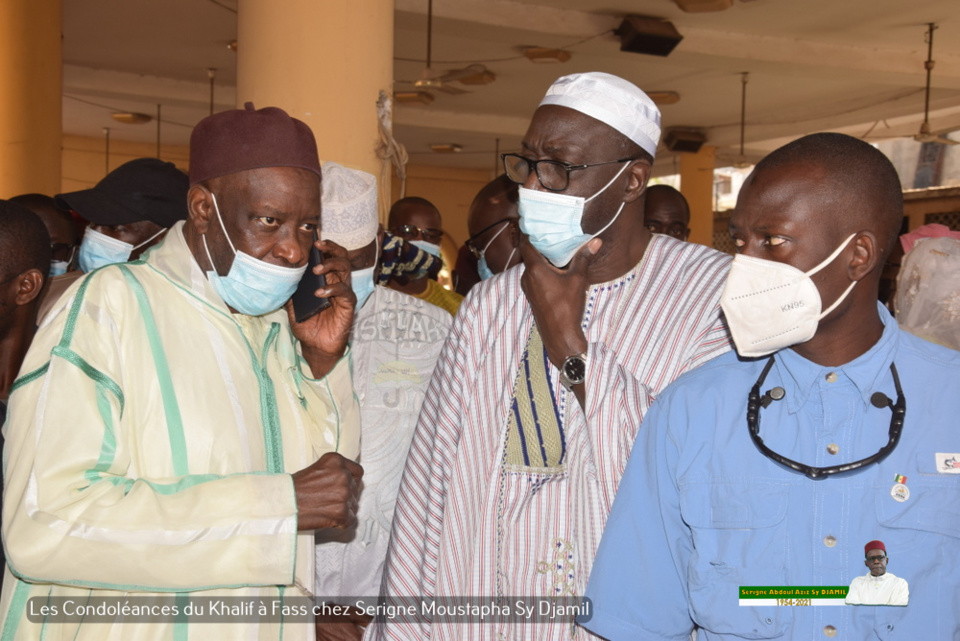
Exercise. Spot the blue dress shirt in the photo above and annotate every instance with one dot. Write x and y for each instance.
(700, 511)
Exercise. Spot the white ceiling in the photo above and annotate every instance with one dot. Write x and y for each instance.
(845, 65)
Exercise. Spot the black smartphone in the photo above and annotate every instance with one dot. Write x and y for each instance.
(305, 302)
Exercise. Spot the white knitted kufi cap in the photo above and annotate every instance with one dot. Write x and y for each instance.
(348, 206)
(611, 100)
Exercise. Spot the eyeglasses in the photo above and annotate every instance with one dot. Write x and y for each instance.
(552, 174)
(409, 232)
(471, 242)
(871, 559)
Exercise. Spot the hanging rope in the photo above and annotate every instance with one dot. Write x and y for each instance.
(391, 152)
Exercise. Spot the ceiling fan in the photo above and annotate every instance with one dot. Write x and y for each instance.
(474, 74)
(925, 135)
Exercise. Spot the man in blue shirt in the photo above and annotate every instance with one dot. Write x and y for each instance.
(718, 495)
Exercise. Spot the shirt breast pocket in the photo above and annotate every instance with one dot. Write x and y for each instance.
(922, 536)
(739, 539)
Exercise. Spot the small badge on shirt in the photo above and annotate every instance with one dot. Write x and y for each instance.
(900, 492)
(948, 463)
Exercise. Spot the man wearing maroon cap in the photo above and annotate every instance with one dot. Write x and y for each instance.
(877, 587)
(206, 434)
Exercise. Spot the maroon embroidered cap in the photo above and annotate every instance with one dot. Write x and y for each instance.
(239, 139)
(874, 545)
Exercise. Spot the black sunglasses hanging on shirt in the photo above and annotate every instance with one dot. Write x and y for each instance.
(879, 399)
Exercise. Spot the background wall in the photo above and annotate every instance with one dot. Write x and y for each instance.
(84, 160)
(451, 190)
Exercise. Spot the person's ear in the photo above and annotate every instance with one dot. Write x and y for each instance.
(200, 208)
(866, 256)
(639, 173)
(29, 284)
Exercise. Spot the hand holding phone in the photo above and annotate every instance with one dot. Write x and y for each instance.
(305, 301)
(323, 336)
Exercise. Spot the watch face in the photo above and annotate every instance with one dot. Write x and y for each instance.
(575, 369)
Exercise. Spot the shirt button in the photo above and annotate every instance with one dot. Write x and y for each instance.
(829, 540)
(831, 377)
(833, 448)
(830, 631)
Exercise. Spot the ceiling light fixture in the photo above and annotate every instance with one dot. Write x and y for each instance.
(413, 98)
(131, 117)
(545, 55)
(446, 148)
(703, 6)
(664, 97)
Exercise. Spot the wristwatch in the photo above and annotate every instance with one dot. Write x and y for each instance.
(573, 371)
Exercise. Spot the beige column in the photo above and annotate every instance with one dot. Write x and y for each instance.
(323, 62)
(696, 184)
(30, 85)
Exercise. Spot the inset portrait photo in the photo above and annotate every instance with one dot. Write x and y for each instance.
(877, 587)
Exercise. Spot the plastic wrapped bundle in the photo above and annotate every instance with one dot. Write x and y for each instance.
(928, 291)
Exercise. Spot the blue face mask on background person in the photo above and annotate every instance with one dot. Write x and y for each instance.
(361, 280)
(430, 248)
(98, 250)
(552, 221)
(252, 287)
(60, 267)
(483, 269)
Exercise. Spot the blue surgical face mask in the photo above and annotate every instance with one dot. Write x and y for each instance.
(252, 286)
(552, 221)
(98, 250)
(430, 248)
(60, 267)
(483, 269)
(361, 280)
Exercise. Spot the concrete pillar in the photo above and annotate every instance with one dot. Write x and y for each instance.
(324, 63)
(31, 65)
(696, 184)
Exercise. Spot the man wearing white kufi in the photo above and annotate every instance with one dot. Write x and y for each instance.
(395, 343)
(548, 372)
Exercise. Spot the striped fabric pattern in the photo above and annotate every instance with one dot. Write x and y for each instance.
(535, 433)
(468, 524)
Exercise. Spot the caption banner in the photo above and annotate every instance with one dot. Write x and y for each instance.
(194, 609)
